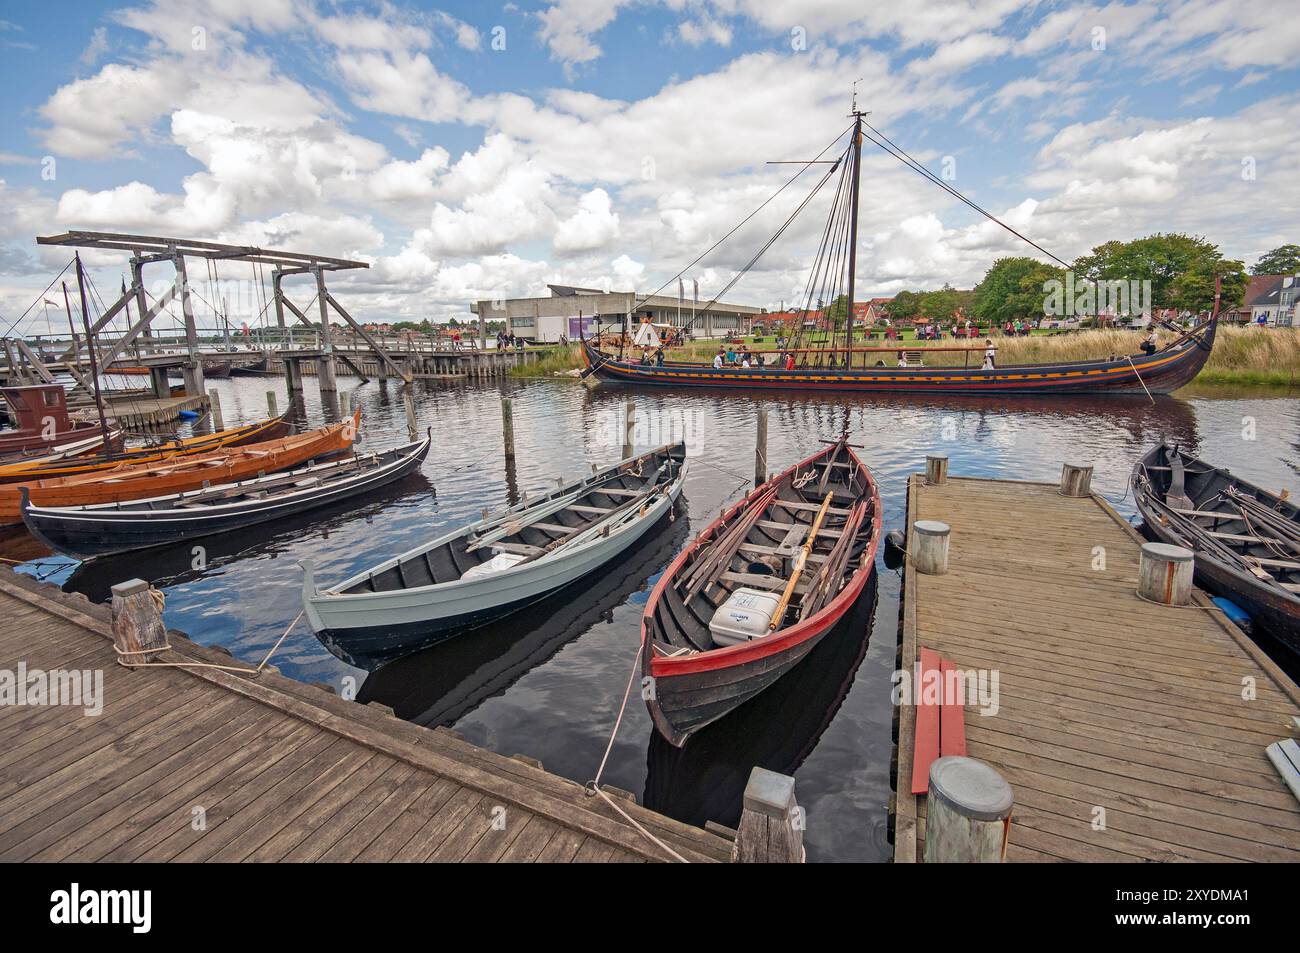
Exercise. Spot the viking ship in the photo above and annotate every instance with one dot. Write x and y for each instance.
(835, 364)
(1246, 539)
(758, 589)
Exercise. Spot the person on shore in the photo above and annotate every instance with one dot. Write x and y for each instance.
(990, 354)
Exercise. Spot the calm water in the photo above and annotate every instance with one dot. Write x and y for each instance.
(548, 682)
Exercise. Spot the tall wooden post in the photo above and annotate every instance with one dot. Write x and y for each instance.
(408, 404)
(629, 427)
(218, 419)
(508, 427)
(192, 370)
(771, 824)
(278, 294)
(270, 404)
(325, 372)
(760, 449)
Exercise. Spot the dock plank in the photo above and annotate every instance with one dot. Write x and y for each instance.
(1108, 706)
(281, 770)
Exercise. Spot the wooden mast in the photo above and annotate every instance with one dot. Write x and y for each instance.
(94, 361)
(853, 231)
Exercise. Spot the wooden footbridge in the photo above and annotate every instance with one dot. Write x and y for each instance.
(295, 346)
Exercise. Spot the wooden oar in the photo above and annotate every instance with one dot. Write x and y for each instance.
(800, 562)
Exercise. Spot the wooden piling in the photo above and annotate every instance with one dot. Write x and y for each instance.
(929, 547)
(508, 427)
(1165, 573)
(218, 419)
(408, 404)
(629, 426)
(760, 449)
(967, 813)
(936, 469)
(138, 631)
(270, 404)
(771, 824)
(1076, 480)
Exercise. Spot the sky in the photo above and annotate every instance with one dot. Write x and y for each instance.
(476, 151)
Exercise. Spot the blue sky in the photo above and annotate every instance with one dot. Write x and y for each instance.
(609, 142)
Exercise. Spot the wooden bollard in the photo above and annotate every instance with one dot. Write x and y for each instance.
(771, 824)
(1076, 480)
(936, 469)
(760, 449)
(1165, 573)
(138, 631)
(508, 427)
(929, 549)
(967, 813)
(271, 408)
(345, 403)
(218, 419)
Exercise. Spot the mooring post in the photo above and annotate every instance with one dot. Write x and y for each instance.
(929, 549)
(270, 404)
(1165, 573)
(760, 449)
(508, 427)
(138, 631)
(345, 402)
(771, 823)
(1076, 480)
(967, 813)
(218, 419)
(293, 374)
(629, 426)
(408, 404)
(936, 469)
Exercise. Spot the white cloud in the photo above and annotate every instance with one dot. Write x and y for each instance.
(593, 225)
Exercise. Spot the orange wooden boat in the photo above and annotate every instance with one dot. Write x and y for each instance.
(136, 481)
(257, 432)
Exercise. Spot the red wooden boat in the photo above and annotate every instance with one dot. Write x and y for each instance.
(756, 591)
(41, 414)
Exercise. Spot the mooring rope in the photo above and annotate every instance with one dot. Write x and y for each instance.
(159, 600)
(593, 786)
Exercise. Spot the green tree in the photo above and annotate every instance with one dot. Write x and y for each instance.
(904, 306)
(1160, 259)
(1283, 260)
(1013, 288)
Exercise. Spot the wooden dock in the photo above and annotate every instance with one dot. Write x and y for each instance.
(199, 764)
(142, 412)
(1113, 711)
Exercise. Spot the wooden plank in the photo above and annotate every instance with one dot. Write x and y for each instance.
(926, 739)
(952, 721)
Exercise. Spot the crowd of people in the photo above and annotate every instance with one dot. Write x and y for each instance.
(505, 342)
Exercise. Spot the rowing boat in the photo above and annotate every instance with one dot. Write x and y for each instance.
(1246, 539)
(758, 589)
(79, 447)
(495, 566)
(40, 412)
(139, 480)
(38, 469)
(103, 529)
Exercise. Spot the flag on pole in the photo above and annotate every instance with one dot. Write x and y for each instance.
(53, 304)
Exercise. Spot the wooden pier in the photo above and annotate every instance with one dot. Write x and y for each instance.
(199, 764)
(1122, 727)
